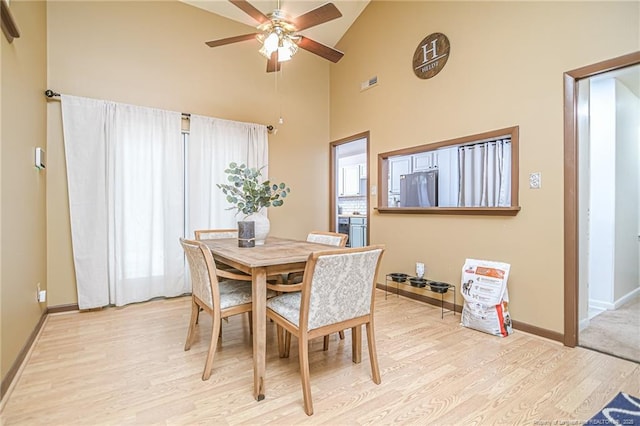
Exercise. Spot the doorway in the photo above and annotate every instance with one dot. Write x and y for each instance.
(349, 184)
(596, 291)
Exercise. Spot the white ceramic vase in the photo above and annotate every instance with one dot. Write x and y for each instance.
(262, 226)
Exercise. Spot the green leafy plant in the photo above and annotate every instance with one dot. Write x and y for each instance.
(248, 193)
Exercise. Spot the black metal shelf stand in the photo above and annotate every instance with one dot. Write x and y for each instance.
(451, 287)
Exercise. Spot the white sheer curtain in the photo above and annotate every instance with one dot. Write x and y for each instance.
(213, 144)
(125, 175)
(485, 174)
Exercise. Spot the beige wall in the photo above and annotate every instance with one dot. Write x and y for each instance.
(505, 68)
(22, 207)
(153, 54)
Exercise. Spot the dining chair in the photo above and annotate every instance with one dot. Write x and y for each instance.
(337, 292)
(224, 270)
(330, 239)
(220, 299)
(228, 272)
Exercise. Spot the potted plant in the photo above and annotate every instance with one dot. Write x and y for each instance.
(249, 194)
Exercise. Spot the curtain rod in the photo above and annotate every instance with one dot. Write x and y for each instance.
(51, 94)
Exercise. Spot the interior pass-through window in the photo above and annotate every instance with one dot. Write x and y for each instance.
(475, 174)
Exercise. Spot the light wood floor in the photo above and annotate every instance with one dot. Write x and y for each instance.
(127, 366)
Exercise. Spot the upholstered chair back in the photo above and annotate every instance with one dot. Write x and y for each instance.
(341, 286)
(202, 269)
(212, 234)
(328, 238)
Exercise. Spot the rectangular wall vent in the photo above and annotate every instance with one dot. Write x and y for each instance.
(373, 81)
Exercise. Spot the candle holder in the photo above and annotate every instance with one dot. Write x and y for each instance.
(246, 233)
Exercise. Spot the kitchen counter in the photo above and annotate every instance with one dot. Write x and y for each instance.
(352, 215)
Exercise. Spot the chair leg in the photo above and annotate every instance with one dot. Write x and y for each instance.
(356, 344)
(280, 335)
(279, 338)
(195, 309)
(250, 315)
(325, 343)
(287, 343)
(215, 333)
(373, 354)
(303, 351)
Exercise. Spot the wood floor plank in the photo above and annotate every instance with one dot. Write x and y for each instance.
(127, 366)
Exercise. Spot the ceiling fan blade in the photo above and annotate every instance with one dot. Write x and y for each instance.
(229, 40)
(320, 49)
(247, 8)
(325, 13)
(272, 63)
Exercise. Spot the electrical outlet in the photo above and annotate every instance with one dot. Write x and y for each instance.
(535, 180)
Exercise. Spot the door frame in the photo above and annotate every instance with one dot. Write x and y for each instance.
(333, 173)
(571, 234)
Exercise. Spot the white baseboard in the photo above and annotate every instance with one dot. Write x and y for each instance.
(627, 297)
(611, 306)
(600, 305)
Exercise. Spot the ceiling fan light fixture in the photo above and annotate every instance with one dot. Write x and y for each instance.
(287, 49)
(283, 54)
(271, 42)
(264, 52)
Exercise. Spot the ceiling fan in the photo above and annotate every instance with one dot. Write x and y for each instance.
(279, 36)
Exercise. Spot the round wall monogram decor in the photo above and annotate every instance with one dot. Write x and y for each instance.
(431, 55)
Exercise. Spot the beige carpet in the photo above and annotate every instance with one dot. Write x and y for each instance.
(615, 332)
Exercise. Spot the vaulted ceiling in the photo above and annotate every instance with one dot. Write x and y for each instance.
(328, 33)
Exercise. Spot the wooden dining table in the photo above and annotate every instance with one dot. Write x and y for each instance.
(276, 256)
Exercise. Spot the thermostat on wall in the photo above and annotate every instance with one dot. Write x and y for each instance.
(40, 158)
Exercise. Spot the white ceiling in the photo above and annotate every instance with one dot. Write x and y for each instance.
(328, 33)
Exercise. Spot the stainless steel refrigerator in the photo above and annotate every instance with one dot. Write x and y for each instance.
(419, 189)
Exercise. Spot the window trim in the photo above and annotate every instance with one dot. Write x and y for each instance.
(383, 173)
